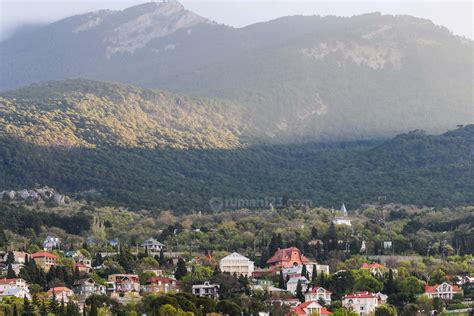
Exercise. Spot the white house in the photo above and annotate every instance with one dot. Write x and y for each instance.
(317, 293)
(61, 294)
(17, 283)
(16, 292)
(19, 256)
(444, 291)
(152, 245)
(363, 303)
(207, 289)
(236, 263)
(296, 271)
(51, 242)
(293, 283)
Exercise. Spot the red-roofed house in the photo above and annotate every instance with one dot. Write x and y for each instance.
(288, 257)
(444, 290)
(18, 255)
(44, 259)
(161, 285)
(310, 308)
(375, 268)
(363, 303)
(81, 267)
(6, 284)
(62, 294)
(317, 293)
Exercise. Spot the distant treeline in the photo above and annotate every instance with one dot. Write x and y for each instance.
(412, 168)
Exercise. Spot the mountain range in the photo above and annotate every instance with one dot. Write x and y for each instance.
(293, 79)
(157, 107)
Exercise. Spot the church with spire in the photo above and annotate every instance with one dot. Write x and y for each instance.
(344, 219)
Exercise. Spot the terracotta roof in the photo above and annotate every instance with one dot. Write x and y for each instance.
(43, 254)
(58, 290)
(360, 295)
(81, 265)
(7, 281)
(159, 279)
(372, 266)
(284, 255)
(316, 288)
(299, 310)
(434, 288)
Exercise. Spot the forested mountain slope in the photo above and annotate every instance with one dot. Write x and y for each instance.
(146, 148)
(299, 78)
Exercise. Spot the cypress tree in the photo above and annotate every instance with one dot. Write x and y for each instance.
(314, 275)
(299, 292)
(304, 271)
(281, 281)
(10, 272)
(162, 257)
(26, 307)
(181, 270)
(390, 283)
(62, 308)
(53, 304)
(10, 258)
(43, 309)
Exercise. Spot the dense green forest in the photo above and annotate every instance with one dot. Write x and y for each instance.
(147, 148)
(413, 168)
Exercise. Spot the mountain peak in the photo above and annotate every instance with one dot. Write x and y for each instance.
(140, 24)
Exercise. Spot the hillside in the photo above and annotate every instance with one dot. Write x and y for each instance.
(82, 113)
(146, 148)
(300, 78)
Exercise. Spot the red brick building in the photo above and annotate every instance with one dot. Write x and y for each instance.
(286, 258)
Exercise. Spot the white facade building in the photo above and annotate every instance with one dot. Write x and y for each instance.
(293, 283)
(363, 303)
(206, 290)
(238, 264)
(317, 293)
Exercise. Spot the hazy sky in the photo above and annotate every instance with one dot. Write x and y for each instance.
(455, 15)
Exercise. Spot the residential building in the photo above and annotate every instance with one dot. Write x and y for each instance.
(310, 308)
(161, 284)
(18, 255)
(16, 292)
(236, 264)
(207, 289)
(50, 243)
(296, 271)
(375, 269)
(292, 284)
(81, 267)
(318, 293)
(286, 258)
(444, 291)
(124, 283)
(86, 287)
(16, 283)
(363, 303)
(44, 260)
(61, 293)
(152, 245)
